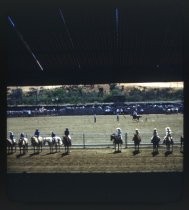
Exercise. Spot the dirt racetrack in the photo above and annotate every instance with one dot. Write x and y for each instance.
(96, 160)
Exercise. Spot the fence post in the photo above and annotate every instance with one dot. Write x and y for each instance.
(83, 141)
(125, 140)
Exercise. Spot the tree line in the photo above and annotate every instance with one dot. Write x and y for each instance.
(75, 94)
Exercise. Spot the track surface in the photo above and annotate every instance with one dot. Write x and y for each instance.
(95, 161)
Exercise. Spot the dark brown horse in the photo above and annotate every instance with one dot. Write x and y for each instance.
(67, 143)
(155, 141)
(137, 140)
(136, 117)
(116, 141)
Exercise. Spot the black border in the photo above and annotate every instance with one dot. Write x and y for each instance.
(108, 190)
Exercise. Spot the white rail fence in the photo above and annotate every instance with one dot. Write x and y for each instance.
(102, 140)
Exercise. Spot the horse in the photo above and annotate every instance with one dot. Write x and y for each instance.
(137, 140)
(11, 144)
(67, 143)
(37, 143)
(181, 143)
(136, 117)
(155, 141)
(23, 145)
(116, 141)
(168, 141)
(53, 142)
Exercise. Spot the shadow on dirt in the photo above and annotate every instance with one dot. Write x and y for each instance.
(155, 153)
(65, 154)
(136, 152)
(117, 151)
(49, 153)
(35, 153)
(20, 155)
(167, 153)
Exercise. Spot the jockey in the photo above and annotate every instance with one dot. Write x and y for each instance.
(118, 133)
(168, 134)
(66, 132)
(136, 134)
(136, 131)
(11, 136)
(53, 136)
(168, 131)
(155, 133)
(37, 133)
(135, 113)
(22, 136)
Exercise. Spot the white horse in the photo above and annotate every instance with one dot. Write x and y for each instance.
(37, 143)
(23, 145)
(53, 142)
(10, 145)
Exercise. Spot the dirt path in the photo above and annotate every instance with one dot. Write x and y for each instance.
(95, 160)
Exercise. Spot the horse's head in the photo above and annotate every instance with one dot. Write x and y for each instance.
(21, 142)
(45, 140)
(112, 136)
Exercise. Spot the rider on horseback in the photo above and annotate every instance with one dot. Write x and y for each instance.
(66, 132)
(155, 134)
(135, 113)
(168, 136)
(137, 135)
(118, 133)
(53, 135)
(37, 133)
(136, 131)
(11, 136)
(22, 136)
(67, 135)
(167, 130)
(155, 140)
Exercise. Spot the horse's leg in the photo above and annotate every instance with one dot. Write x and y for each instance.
(56, 147)
(171, 147)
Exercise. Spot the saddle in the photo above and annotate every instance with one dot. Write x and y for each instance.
(67, 140)
(155, 139)
(168, 140)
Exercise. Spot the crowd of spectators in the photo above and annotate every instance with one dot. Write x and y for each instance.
(98, 109)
